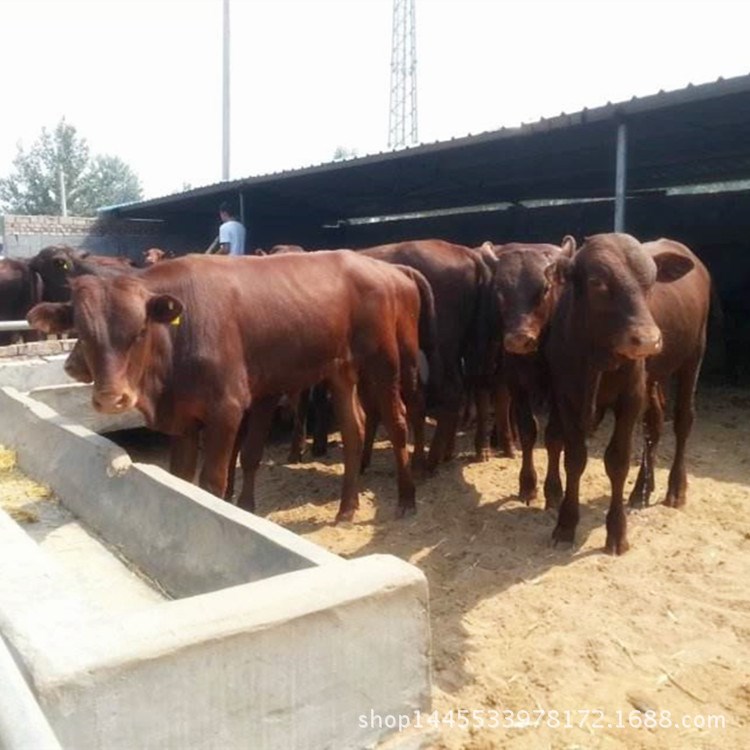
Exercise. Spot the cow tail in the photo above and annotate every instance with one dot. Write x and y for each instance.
(485, 325)
(428, 334)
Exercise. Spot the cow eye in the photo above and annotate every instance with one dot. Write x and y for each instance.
(597, 284)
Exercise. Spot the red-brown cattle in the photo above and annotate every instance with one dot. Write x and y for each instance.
(602, 331)
(58, 264)
(202, 342)
(525, 290)
(460, 280)
(681, 310)
(20, 290)
(154, 255)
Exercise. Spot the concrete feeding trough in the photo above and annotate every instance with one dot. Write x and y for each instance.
(151, 614)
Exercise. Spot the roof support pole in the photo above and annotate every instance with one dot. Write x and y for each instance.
(242, 207)
(620, 176)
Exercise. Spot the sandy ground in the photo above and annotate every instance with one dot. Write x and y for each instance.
(520, 626)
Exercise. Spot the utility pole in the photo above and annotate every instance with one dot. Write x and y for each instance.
(402, 125)
(225, 96)
(63, 196)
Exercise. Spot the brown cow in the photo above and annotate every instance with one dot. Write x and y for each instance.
(460, 280)
(601, 334)
(200, 341)
(154, 255)
(58, 264)
(525, 291)
(20, 290)
(680, 309)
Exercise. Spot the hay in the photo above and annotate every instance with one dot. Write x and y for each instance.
(18, 493)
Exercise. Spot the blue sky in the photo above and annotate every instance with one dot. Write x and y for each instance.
(142, 78)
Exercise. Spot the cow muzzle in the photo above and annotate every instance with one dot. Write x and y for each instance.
(521, 342)
(112, 402)
(640, 342)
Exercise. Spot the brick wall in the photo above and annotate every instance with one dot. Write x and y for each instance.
(24, 236)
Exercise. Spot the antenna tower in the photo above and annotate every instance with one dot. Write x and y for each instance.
(402, 125)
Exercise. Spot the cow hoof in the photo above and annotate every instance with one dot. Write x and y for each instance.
(615, 547)
(527, 496)
(404, 511)
(508, 452)
(294, 458)
(483, 455)
(673, 501)
(553, 496)
(344, 516)
(563, 535)
(638, 498)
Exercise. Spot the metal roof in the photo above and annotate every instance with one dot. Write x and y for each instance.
(688, 136)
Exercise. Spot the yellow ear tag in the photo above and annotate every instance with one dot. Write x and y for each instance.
(176, 321)
(66, 265)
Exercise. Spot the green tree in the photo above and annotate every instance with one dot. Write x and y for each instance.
(34, 186)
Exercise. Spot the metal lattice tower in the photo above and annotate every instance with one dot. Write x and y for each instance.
(402, 126)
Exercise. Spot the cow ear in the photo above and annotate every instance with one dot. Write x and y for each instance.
(672, 266)
(163, 308)
(568, 246)
(51, 317)
(558, 272)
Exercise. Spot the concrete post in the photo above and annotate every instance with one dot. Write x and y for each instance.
(620, 176)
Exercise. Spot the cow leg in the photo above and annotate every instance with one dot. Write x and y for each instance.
(219, 437)
(503, 421)
(617, 464)
(393, 411)
(653, 426)
(319, 400)
(482, 450)
(232, 471)
(349, 413)
(553, 442)
(372, 422)
(528, 428)
(415, 413)
(299, 431)
(684, 416)
(259, 418)
(183, 455)
(576, 456)
(443, 439)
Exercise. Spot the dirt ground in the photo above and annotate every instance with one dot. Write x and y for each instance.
(518, 625)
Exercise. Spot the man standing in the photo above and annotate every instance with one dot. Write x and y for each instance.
(231, 232)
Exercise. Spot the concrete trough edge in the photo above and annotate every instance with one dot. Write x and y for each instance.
(23, 726)
(178, 534)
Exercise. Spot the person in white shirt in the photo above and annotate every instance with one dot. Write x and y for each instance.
(231, 232)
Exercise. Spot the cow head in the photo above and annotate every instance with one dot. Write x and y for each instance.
(55, 265)
(526, 281)
(153, 255)
(612, 275)
(121, 328)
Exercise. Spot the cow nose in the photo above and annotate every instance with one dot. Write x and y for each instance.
(643, 341)
(111, 403)
(520, 343)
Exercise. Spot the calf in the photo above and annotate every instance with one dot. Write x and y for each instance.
(205, 342)
(526, 286)
(601, 334)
